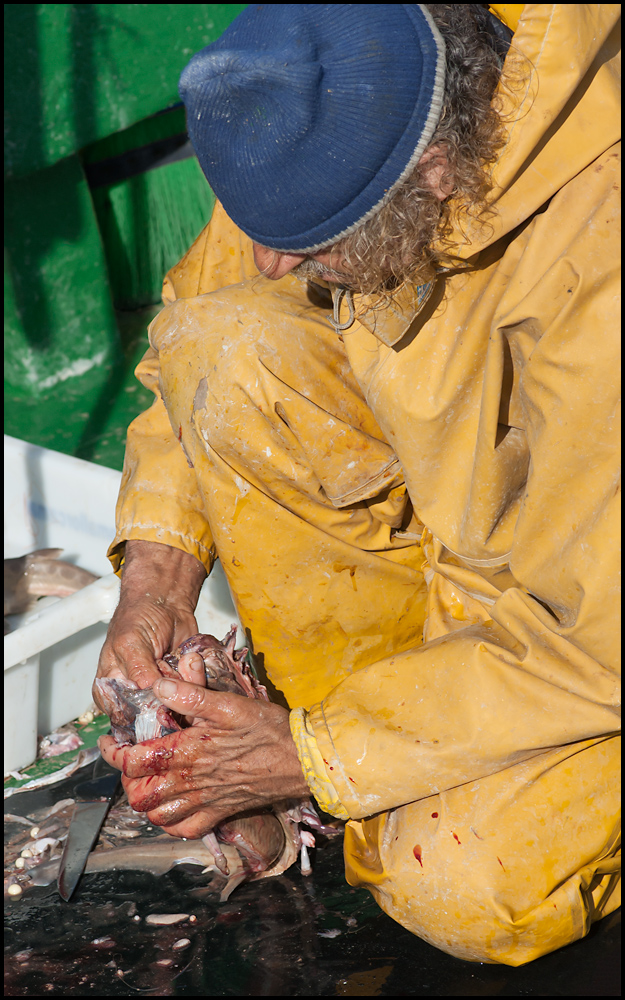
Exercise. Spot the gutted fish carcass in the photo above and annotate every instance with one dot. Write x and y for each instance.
(40, 574)
(136, 714)
(267, 842)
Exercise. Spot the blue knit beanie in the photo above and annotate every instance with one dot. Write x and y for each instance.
(305, 117)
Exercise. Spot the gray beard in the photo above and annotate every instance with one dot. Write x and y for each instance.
(314, 269)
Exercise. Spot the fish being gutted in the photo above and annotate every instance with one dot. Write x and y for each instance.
(267, 843)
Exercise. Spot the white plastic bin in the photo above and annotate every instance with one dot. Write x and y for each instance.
(53, 500)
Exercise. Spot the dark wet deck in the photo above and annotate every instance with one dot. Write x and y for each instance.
(288, 936)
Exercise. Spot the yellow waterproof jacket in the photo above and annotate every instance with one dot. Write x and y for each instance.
(496, 404)
(501, 407)
(501, 399)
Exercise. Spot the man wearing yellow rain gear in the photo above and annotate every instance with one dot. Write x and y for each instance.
(413, 495)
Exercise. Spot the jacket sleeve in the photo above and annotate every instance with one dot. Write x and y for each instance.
(159, 500)
(489, 695)
(539, 668)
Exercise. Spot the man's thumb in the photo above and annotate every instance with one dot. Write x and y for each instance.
(189, 699)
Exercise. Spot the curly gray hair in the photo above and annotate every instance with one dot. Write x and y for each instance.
(412, 234)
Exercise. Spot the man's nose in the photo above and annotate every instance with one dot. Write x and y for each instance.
(274, 264)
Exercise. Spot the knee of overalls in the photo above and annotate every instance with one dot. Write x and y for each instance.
(302, 492)
(505, 869)
(255, 374)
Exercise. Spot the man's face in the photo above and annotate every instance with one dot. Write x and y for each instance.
(325, 264)
(329, 264)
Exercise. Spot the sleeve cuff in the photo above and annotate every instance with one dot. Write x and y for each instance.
(116, 553)
(313, 765)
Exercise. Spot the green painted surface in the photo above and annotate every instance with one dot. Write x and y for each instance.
(84, 262)
(89, 733)
(148, 221)
(88, 416)
(75, 73)
(59, 317)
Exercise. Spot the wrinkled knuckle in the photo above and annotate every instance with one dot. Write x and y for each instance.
(198, 697)
(143, 798)
(131, 770)
(167, 814)
(126, 644)
(193, 699)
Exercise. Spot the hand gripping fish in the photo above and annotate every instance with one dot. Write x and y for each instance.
(267, 843)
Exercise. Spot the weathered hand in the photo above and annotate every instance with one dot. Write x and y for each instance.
(160, 587)
(238, 756)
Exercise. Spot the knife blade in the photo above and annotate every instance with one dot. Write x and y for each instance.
(93, 800)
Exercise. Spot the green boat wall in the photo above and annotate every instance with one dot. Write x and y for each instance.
(102, 195)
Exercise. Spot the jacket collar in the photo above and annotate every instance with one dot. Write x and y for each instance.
(389, 322)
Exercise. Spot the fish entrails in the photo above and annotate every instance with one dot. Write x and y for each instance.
(267, 843)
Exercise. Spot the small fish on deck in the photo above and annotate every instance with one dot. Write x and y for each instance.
(40, 574)
(127, 841)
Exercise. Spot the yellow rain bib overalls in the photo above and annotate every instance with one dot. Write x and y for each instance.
(418, 520)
